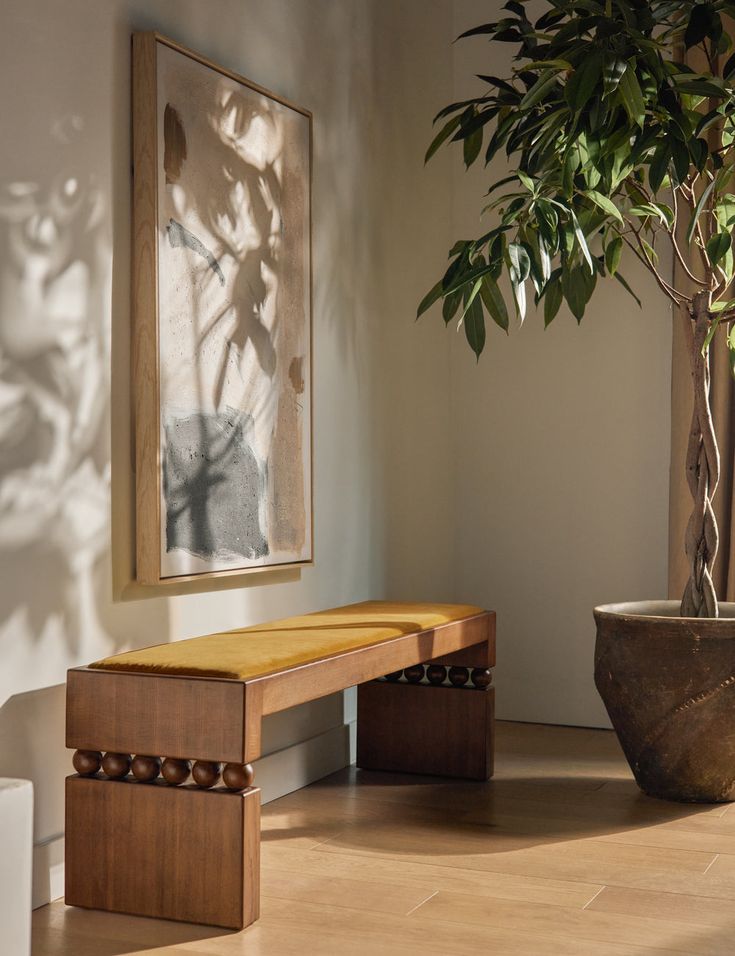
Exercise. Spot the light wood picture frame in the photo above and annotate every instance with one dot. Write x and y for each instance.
(221, 297)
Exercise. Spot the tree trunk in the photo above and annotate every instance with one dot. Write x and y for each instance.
(703, 473)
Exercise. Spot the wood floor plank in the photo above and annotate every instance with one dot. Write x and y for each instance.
(675, 838)
(665, 906)
(563, 922)
(340, 890)
(430, 878)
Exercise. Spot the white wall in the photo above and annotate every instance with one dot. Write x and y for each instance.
(65, 539)
(561, 445)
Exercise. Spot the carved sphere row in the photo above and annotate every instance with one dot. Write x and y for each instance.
(437, 674)
(205, 773)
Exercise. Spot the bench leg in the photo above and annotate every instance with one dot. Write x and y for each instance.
(430, 720)
(171, 852)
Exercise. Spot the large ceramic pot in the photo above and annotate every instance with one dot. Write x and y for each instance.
(668, 684)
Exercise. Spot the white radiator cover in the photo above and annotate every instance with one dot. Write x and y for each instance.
(16, 841)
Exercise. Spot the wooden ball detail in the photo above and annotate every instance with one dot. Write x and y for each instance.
(87, 762)
(145, 768)
(237, 776)
(482, 677)
(205, 773)
(116, 765)
(458, 676)
(414, 674)
(436, 673)
(174, 771)
(394, 676)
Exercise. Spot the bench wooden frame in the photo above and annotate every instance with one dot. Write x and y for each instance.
(135, 844)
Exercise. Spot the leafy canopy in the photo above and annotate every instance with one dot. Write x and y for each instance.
(616, 144)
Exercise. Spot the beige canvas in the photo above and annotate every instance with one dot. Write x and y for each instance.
(233, 223)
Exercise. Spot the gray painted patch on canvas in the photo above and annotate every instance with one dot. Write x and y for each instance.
(213, 486)
(179, 235)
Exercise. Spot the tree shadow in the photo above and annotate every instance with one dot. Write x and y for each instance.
(54, 470)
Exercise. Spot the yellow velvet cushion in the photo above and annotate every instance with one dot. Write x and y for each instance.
(269, 648)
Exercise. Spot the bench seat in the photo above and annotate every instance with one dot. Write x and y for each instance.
(265, 649)
(165, 736)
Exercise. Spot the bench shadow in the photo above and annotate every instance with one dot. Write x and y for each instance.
(384, 813)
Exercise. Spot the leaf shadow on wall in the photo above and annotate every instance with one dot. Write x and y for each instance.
(54, 358)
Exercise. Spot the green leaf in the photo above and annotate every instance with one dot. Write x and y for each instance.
(724, 306)
(701, 23)
(519, 294)
(469, 299)
(583, 81)
(430, 298)
(698, 210)
(547, 64)
(459, 247)
(571, 161)
(520, 269)
(702, 88)
(579, 235)
(553, 297)
(527, 182)
(539, 89)
(659, 166)
(520, 261)
(461, 279)
(544, 258)
(444, 133)
(651, 253)
(712, 117)
(474, 322)
(472, 147)
(680, 156)
(644, 211)
(666, 213)
(479, 31)
(612, 74)
(629, 91)
(450, 305)
(607, 205)
(613, 254)
(493, 301)
(718, 246)
(578, 286)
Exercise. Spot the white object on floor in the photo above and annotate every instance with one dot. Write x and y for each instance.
(16, 853)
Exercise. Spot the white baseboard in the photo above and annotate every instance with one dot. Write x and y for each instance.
(48, 872)
(276, 774)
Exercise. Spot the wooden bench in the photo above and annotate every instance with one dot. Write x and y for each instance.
(162, 818)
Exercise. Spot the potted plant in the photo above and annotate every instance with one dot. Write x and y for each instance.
(617, 147)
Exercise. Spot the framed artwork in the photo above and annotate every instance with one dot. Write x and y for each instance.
(222, 320)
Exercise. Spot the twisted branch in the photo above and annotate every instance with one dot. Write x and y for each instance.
(703, 473)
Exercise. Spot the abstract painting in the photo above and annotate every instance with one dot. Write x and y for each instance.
(222, 317)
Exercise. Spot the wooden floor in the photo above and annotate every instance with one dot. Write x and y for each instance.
(559, 854)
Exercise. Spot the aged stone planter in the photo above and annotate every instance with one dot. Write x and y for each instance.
(668, 684)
